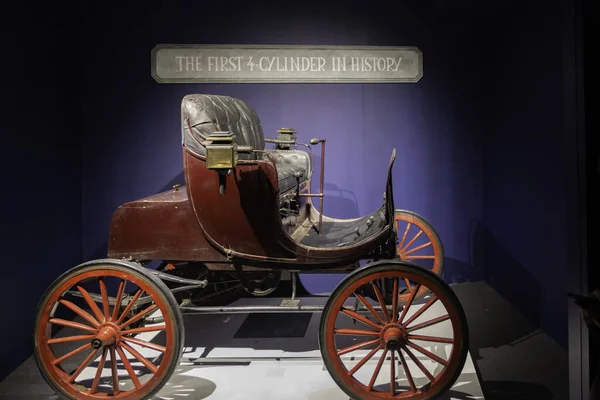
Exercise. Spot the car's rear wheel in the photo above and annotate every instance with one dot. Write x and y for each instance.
(97, 335)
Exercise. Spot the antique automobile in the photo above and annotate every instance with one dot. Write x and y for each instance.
(246, 217)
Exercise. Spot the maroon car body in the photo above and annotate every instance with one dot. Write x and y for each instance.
(245, 225)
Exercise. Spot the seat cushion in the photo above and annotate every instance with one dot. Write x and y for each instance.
(209, 113)
(288, 163)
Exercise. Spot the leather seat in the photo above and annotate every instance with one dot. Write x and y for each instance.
(208, 113)
(290, 165)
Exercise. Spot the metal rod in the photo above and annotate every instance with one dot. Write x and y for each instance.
(226, 360)
(293, 285)
(311, 195)
(251, 309)
(322, 185)
(177, 279)
(183, 288)
(267, 309)
(280, 141)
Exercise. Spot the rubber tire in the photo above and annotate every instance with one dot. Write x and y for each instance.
(386, 265)
(134, 269)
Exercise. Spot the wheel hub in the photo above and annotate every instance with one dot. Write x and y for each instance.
(393, 336)
(108, 335)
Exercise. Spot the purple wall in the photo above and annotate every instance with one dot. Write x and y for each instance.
(131, 124)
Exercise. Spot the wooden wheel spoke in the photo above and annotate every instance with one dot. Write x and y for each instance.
(129, 369)
(428, 323)
(144, 343)
(381, 301)
(91, 303)
(152, 328)
(131, 303)
(420, 257)
(404, 236)
(356, 332)
(364, 360)
(431, 339)
(117, 305)
(72, 353)
(360, 318)
(395, 302)
(96, 381)
(71, 324)
(412, 241)
(369, 307)
(377, 369)
(104, 294)
(140, 357)
(419, 364)
(422, 309)
(77, 310)
(413, 294)
(409, 377)
(392, 374)
(408, 286)
(139, 316)
(84, 364)
(427, 353)
(114, 372)
(68, 339)
(417, 248)
(357, 346)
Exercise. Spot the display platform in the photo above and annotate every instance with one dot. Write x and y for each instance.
(273, 356)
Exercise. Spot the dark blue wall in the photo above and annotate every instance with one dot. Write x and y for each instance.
(40, 163)
(529, 233)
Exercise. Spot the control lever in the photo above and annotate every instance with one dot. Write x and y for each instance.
(322, 177)
(320, 194)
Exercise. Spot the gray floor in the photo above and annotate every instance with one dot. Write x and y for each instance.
(290, 368)
(514, 360)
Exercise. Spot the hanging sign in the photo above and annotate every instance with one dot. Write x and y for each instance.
(282, 64)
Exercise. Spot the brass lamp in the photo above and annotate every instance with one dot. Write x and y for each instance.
(221, 151)
(221, 155)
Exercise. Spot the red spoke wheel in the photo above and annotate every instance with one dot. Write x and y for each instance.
(393, 350)
(108, 329)
(418, 243)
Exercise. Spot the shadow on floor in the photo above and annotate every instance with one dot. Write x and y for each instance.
(504, 390)
(510, 353)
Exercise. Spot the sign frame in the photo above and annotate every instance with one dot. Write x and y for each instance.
(159, 79)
